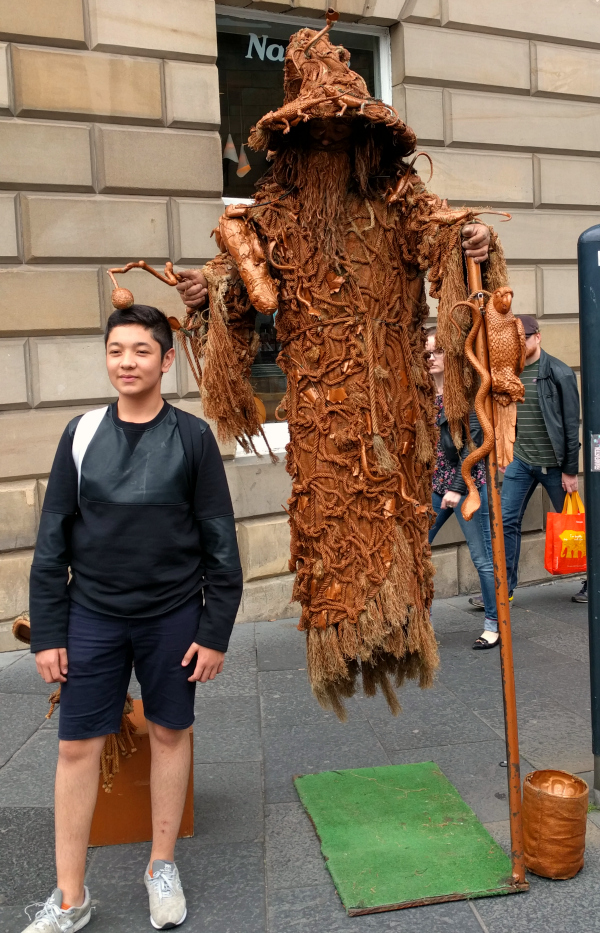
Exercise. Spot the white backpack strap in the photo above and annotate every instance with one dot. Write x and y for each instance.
(86, 428)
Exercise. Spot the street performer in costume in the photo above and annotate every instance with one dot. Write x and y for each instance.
(338, 243)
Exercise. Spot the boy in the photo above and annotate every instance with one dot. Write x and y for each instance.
(138, 510)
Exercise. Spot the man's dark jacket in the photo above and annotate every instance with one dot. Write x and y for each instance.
(559, 403)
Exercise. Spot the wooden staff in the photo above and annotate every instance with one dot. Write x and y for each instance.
(502, 605)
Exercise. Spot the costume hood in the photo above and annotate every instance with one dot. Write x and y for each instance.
(318, 84)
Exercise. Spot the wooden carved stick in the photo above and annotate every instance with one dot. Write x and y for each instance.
(502, 603)
(122, 298)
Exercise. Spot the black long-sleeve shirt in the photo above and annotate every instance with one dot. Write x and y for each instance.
(141, 534)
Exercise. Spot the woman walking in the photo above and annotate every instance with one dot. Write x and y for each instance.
(449, 492)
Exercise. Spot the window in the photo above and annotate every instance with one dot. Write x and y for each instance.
(251, 49)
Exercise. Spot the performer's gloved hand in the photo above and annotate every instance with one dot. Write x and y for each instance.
(476, 241)
(193, 288)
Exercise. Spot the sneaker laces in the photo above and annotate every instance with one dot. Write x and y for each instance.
(50, 912)
(163, 882)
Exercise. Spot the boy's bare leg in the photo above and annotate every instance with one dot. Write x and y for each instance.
(169, 777)
(75, 793)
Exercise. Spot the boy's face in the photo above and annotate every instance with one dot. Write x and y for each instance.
(133, 360)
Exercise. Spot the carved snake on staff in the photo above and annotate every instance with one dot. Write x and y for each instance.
(473, 500)
(506, 348)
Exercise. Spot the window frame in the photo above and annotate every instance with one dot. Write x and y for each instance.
(380, 32)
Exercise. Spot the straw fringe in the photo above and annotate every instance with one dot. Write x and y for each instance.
(392, 640)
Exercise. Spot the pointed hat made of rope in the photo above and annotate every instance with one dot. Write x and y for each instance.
(319, 85)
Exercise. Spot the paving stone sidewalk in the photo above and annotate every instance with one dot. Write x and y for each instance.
(254, 864)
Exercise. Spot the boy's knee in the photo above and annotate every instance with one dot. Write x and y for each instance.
(78, 750)
(168, 737)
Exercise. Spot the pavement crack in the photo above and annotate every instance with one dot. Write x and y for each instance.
(478, 917)
(21, 747)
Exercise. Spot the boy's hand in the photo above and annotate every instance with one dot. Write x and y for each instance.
(209, 662)
(52, 665)
(193, 288)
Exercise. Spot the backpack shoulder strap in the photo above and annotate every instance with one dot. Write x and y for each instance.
(191, 430)
(86, 428)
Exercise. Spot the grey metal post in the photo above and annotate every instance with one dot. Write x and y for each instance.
(588, 257)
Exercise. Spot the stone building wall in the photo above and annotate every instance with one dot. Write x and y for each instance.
(109, 151)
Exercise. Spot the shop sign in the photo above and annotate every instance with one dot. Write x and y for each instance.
(274, 52)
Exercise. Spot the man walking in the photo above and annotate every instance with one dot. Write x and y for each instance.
(546, 449)
(139, 514)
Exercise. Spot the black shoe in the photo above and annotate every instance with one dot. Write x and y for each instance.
(581, 596)
(482, 643)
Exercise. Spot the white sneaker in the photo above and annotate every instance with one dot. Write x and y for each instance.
(53, 919)
(167, 901)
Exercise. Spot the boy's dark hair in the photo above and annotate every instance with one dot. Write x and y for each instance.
(150, 318)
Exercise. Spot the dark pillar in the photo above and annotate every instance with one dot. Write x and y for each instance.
(588, 257)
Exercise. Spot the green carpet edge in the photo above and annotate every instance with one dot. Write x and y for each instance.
(503, 882)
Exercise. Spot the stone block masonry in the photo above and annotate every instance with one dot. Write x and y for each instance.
(9, 244)
(4, 82)
(71, 303)
(180, 29)
(109, 114)
(39, 21)
(86, 85)
(428, 55)
(50, 156)
(142, 161)
(192, 95)
(20, 512)
(97, 229)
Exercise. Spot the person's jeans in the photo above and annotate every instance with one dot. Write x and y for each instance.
(520, 482)
(477, 536)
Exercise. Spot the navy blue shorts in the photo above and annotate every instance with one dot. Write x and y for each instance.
(101, 650)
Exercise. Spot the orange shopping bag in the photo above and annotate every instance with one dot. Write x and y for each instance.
(565, 538)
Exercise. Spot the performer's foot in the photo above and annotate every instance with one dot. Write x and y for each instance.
(486, 640)
(581, 596)
(53, 919)
(167, 901)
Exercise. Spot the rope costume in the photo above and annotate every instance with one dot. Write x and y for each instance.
(349, 288)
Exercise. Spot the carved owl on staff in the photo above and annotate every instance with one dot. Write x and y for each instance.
(471, 378)
(506, 343)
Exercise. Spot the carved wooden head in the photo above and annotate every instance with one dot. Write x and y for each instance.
(502, 299)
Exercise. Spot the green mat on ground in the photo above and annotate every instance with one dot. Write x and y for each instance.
(401, 835)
